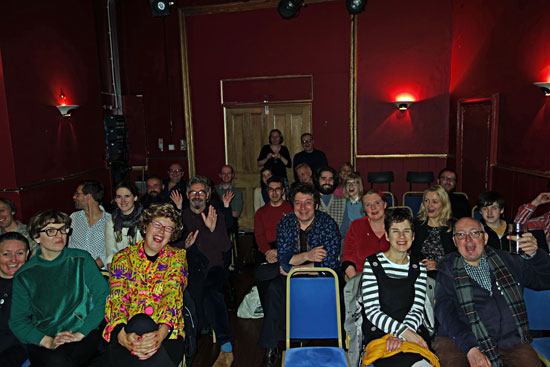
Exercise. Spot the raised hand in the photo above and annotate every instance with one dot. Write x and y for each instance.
(542, 198)
(176, 197)
(211, 219)
(227, 197)
(190, 240)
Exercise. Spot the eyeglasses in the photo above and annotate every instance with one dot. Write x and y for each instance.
(352, 183)
(271, 189)
(159, 225)
(306, 141)
(473, 234)
(52, 232)
(175, 170)
(447, 178)
(197, 193)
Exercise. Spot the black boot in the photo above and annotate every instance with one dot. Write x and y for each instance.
(272, 357)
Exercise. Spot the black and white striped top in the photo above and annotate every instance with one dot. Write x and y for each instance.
(370, 297)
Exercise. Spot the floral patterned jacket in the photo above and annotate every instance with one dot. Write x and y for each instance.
(141, 286)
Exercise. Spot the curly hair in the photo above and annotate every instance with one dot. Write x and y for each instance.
(45, 217)
(307, 189)
(165, 210)
(445, 215)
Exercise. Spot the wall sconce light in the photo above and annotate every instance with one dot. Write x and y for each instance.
(64, 109)
(545, 88)
(402, 105)
(355, 6)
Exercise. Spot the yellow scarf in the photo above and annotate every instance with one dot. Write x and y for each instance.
(376, 349)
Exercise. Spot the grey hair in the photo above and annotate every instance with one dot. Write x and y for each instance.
(198, 180)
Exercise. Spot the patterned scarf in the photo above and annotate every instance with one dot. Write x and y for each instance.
(126, 221)
(512, 294)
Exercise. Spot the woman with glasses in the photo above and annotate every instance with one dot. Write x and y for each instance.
(353, 191)
(147, 280)
(121, 229)
(58, 297)
(261, 196)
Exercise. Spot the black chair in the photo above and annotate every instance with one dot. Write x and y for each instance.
(380, 177)
(419, 178)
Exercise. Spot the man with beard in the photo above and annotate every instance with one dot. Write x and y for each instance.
(459, 204)
(206, 264)
(306, 238)
(154, 187)
(333, 205)
(88, 223)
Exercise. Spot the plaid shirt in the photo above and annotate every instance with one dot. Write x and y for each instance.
(543, 222)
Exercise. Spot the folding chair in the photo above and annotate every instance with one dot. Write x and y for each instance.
(537, 303)
(313, 312)
(413, 199)
(380, 177)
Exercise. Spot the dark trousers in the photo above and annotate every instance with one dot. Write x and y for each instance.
(13, 356)
(169, 354)
(207, 291)
(263, 275)
(450, 355)
(273, 327)
(66, 355)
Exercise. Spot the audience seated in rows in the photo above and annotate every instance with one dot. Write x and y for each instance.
(331, 204)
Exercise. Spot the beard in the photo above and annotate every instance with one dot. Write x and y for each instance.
(326, 189)
(198, 204)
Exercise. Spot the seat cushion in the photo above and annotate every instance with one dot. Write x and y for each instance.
(542, 346)
(315, 357)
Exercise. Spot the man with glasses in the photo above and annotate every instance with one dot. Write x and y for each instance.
(460, 206)
(479, 302)
(306, 238)
(265, 233)
(313, 157)
(175, 184)
(206, 264)
(88, 222)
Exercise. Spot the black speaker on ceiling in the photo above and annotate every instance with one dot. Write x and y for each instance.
(160, 8)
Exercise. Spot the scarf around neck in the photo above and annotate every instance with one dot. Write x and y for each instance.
(512, 294)
(129, 221)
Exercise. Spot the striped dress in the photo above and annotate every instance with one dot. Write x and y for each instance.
(370, 297)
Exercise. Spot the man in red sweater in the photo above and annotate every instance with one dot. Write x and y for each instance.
(265, 232)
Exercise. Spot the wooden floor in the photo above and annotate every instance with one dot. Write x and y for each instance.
(246, 350)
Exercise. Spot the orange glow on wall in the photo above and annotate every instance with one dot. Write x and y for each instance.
(62, 98)
(405, 97)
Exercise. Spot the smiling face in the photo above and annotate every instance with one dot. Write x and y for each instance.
(491, 214)
(52, 246)
(307, 143)
(175, 171)
(226, 174)
(12, 255)
(326, 182)
(433, 205)
(352, 187)
(304, 208)
(197, 196)
(157, 235)
(374, 207)
(6, 216)
(125, 200)
(304, 174)
(275, 192)
(345, 171)
(266, 175)
(154, 186)
(471, 249)
(400, 236)
(274, 138)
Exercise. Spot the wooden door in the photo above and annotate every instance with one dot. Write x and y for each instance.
(476, 144)
(247, 130)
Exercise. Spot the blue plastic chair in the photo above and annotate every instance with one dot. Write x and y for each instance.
(390, 199)
(402, 207)
(537, 304)
(313, 312)
(413, 199)
(476, 214)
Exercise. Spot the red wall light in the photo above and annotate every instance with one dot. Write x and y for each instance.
(64, 109)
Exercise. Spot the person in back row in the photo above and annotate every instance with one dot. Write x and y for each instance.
(314, 158)
(460, 207)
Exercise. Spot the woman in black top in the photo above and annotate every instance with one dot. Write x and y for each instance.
(274, 155)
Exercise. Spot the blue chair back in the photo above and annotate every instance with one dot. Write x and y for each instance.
(537, 304)
(390, 199)
(413, 199)
(476, 214)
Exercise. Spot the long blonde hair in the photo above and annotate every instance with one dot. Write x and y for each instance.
(445, 215)
(353, 176)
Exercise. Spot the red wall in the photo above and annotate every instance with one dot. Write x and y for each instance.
(45, 49)
(260, 43)
(504, 47)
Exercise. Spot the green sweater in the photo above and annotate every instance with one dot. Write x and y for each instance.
(67, 293)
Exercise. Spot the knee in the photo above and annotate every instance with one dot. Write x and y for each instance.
(141, 324)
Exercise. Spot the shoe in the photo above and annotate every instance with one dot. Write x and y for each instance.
(224, 359)
(272, 358)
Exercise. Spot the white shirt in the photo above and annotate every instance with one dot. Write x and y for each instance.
(90, 239)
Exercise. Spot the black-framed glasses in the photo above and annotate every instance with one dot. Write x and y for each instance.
(52, 232)
(276, 189)
(472, 234)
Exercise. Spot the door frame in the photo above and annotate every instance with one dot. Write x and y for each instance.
(493, 132)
